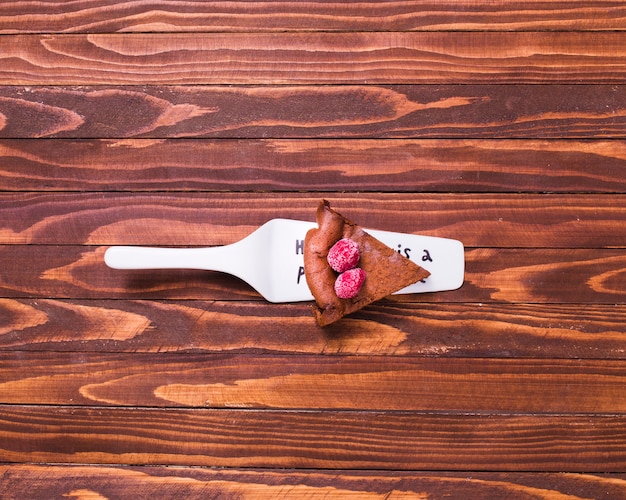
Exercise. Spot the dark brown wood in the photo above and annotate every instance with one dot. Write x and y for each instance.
(331, 111)
(190, 124)
(206, 219)
(386, 329)
(456, 385)
(317, 58)
(314, 439)
(35, 481)
(340, 15)
(546, 276)
(402, 165)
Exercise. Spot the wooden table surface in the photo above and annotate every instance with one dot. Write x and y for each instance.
(500, 124)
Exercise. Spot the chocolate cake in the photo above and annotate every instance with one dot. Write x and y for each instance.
(385, 270)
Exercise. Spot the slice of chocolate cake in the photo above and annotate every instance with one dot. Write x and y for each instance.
(385, 270)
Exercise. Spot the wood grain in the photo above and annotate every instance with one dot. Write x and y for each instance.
(20, 481)
(189, 123)
(387, 329)
(203, 219)
(313, 439)
(314, 58)
(545, 276)
(380, 165)
(390, 383)
(310, 111)
(341, 15)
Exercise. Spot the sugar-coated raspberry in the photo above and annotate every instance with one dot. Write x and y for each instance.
(348, 283)
(343, 255)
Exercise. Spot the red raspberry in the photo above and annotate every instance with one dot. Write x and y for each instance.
(343, 255)
(348, 283)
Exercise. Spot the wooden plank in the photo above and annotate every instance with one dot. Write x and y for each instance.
(317, 58)
(327, 111)
(386, 329)
(545, 276)
(402, 165)
(352, 439)
(104, 16)
(304, 382)
(398, 165)
(36, 481)
(203, 219)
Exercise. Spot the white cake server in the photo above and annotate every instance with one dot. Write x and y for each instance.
(271, 259)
